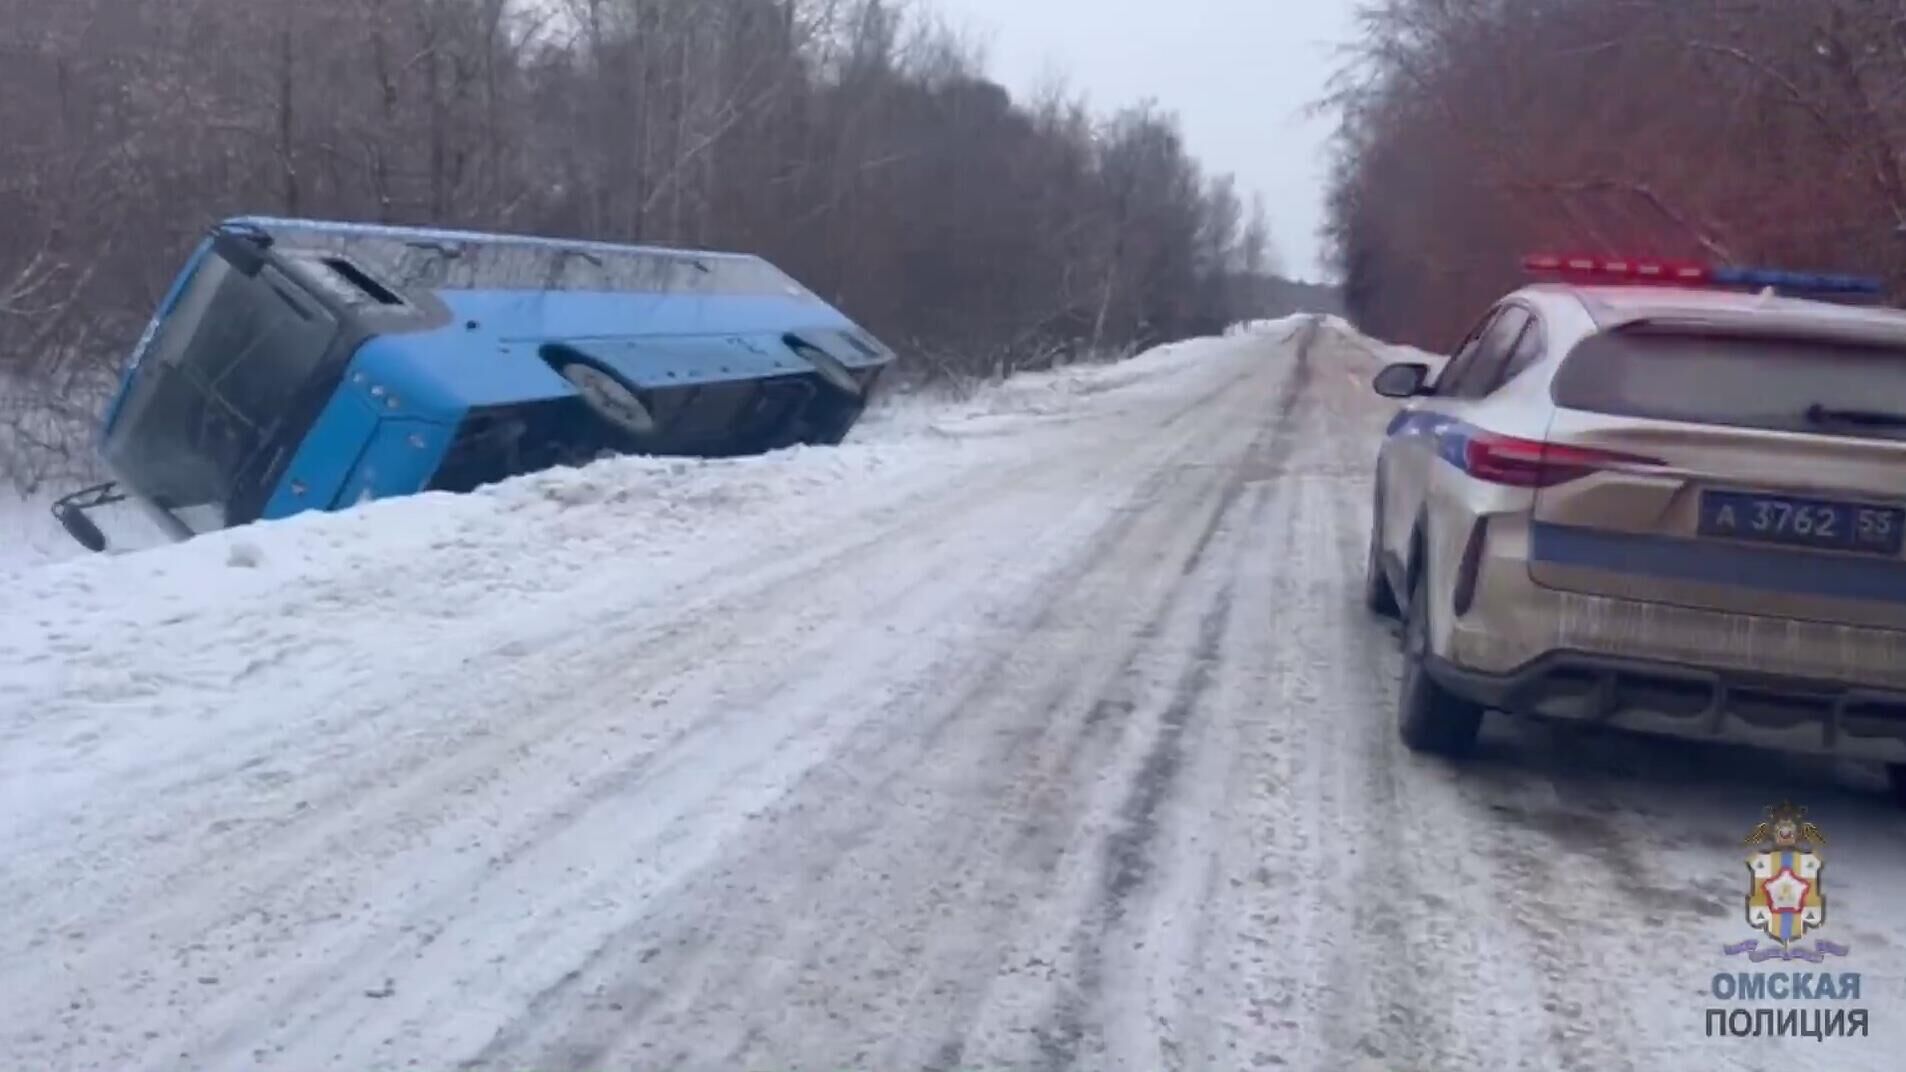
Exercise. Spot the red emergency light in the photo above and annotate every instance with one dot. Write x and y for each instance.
(1619, 270)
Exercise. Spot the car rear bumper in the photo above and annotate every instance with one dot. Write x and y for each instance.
(1790, 685)
(1511, 620)
(1789, 714)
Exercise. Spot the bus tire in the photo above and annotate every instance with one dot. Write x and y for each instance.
(831, 369)
(609, 398)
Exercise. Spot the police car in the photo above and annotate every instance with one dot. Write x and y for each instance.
(1657, 496)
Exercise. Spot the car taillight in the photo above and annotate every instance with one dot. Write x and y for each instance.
(1528, 463)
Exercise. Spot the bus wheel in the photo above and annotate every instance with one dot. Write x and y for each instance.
(611, 399)
(830, 368)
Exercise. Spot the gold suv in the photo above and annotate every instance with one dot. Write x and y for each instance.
(1660, 498)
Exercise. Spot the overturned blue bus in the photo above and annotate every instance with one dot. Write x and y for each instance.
(300, 365)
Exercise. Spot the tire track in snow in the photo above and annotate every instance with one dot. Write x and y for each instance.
(1405, 967)
(903, 656)
(995, 704)
(1126, 864)
(1284, 909)
(927, 952)
(981, 680)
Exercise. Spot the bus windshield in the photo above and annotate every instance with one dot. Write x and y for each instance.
(196, 434)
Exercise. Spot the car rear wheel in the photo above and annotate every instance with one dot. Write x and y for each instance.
(1430, 717)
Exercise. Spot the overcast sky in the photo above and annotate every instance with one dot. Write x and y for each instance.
(1238, 72)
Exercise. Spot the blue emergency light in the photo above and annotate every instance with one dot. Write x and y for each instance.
(1795, 282)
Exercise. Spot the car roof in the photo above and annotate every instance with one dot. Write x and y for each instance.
(1731, 311)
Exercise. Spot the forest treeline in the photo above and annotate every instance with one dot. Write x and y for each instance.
(1742, 131)
(855, 143)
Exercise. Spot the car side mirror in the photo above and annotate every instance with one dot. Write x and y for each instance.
(1402, 380)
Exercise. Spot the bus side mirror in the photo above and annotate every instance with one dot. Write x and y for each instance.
(70, 512)
(80, 527)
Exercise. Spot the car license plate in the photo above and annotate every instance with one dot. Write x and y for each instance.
(1782, 519)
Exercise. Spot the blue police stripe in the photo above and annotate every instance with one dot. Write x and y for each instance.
(1450, 437)
(1420, 423)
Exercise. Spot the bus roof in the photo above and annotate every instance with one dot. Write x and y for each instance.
(435, 259)
(275, 225)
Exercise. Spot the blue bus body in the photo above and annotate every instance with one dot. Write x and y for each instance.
(300, 365)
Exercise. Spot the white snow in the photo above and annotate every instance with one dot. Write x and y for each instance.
(1039, 728)
(28, 534)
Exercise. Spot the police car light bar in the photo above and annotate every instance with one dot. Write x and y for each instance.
(1624, 270)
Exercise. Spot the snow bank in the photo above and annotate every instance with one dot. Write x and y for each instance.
(423, 558)
(1044, 394)
(28, 534)
(153, 639)
(1377, 353)
(1399, 352)
(1286, 324)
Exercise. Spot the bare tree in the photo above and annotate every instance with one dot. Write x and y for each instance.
(1473, 131)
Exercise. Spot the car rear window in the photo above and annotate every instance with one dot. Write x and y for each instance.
(1788, 385)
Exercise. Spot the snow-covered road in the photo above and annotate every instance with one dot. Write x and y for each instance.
(1041, 731)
